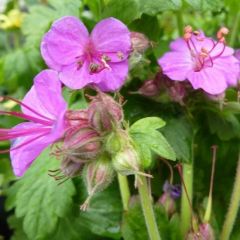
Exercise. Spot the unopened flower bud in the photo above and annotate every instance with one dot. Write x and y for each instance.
(205, 232)
(116, 141)
(139, 42)
(171, 192)
(77, 118)
(104, 113)
(70, 168)
(81, 144)
(168, 203)
(97, 175)
(127, 161)
(149, 88)
(177, 92)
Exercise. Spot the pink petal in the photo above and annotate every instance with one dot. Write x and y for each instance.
(229, 66)
(176, 65)
(45, 96)
(113, 79)
(211, 80)
(23, 157)
(64, 42)
(74, 77)
(179, 45)
(49, 91)
(111, 36)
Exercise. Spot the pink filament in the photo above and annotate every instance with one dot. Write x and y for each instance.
(24, 143)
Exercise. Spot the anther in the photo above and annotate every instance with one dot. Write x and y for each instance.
(188, 29)
(120, 55)
(93, 67)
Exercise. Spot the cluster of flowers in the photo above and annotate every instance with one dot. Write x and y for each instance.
(100, 61)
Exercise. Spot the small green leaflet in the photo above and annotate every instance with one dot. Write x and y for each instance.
(147, 138)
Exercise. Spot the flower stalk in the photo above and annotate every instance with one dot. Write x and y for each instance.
(147, 208)
(186, 201)
(233, 208)
(124, 190)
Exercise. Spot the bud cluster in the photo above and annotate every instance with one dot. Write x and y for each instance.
(95, 145)
(176, 91)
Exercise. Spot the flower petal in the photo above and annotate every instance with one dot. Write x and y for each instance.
(23, 156)
(176, 65)
(111, 36)
(45, 96)
(74, 77)
(113, 79)
(64, 42)
(49, 91)
(230, 68)
(211, 80)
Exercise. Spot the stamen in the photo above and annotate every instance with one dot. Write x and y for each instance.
(26, 106)
(26, 117)
(23, 144)
(11, 134)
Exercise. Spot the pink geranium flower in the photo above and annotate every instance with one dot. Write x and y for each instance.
(207, 64)
(44, 108)
(81, 59)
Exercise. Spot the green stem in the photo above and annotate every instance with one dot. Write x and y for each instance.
(124, 190)
(180, 24)
(186, 201)
(235, 29)
(233, 208)
(147, 208)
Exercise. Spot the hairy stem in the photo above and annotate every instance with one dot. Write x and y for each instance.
(233, 208)
(147, 208)
(124, 190)
(186, 201)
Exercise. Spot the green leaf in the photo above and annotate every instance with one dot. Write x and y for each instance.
(179, 134)
(153, 7)
(133, 226)
(204, 5)
(225, 124)
(155, 141)
(40, 201)
(124, 10)
(147, 124)
(43, 16)
(104, 214)
(16, 225)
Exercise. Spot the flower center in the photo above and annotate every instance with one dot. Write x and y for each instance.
(96, 60)
(203, 57)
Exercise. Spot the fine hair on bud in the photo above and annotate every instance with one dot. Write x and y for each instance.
(97, 176)
(104, 113)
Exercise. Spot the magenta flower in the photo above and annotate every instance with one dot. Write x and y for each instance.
(207, 64)
(44, 108)
(81, 59)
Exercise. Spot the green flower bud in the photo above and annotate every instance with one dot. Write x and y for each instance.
(127, 161)
(116, 141)
(97, 176)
